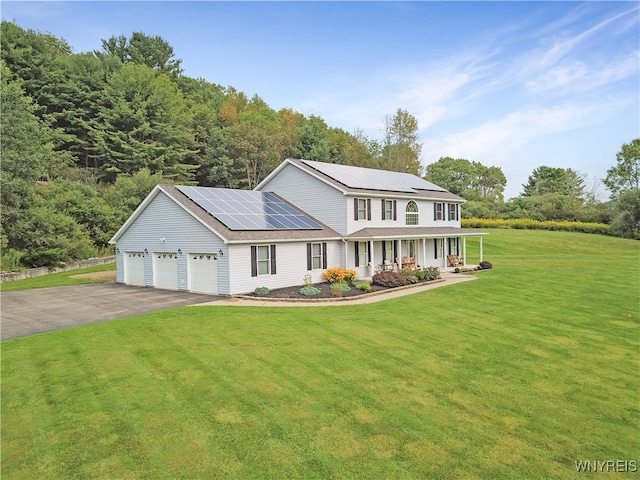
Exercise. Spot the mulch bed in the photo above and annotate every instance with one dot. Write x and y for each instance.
(325, 292)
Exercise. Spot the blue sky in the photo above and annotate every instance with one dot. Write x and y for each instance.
(511, 84)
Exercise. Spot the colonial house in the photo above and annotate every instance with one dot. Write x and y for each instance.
(303, 218)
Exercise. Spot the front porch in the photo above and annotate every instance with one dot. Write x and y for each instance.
(425, 248)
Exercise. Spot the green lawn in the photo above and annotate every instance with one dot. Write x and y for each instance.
(58, 279)
(516, 375)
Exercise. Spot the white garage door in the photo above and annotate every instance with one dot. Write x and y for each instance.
(165, 268)
(134, 268)
(203, 272)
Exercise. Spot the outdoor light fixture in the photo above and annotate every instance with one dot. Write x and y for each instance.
(146, 251)
(220, 252)
(180, 251)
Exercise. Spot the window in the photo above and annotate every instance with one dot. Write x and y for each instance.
(316, 256)
(411, 213)
(362, 253)
(453, 211)
(388, 251)
(438, 211)
(389, 210)
(263, 260)
(438, 247)
(362, 209)
(454, 246)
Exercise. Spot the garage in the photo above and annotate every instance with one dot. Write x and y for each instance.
(203, 273)
(165, 268)
(134, 268)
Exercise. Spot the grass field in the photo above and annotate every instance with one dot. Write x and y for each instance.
(58, 279)
(516, 375)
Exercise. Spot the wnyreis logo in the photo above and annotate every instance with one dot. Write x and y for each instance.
(606, 466)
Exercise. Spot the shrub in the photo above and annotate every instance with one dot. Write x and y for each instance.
(261, 291)
(363, 286)
(337, 274)
(307, 280)
(309, 291)
(486, 265)
(10, 261)
(431, 273)
(336, 289)
(533, 224)
(412, 279)
(389, 279)
(421, 274)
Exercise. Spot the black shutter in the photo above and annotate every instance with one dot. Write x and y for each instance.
(395, 249)
(273, 259)
(254, 261)
(384, 251)
(355, 209)
(435, 211)
(395, 210)
(368, 252)
(368, 209)
(357, 249)
(383, 210)
(309, 256)
(457, 212)
(324, 254)
(435, 248)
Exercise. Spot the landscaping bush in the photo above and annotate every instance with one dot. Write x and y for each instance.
(431, 273)
(533, 224)
(363, 286)
(389, 279)
(261, 291)
(412, 279)
(336, 289)
(309, 291)
(337, 274)
(421, 274)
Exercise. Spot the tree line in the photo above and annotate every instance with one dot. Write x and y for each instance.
(86, 136)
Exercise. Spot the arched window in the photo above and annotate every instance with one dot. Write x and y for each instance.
(411, 213)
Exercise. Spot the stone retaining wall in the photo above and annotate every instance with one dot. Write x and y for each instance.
(39, 272)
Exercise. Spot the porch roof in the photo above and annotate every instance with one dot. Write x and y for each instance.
(388, 233)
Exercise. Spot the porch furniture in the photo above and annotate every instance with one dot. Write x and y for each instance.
(454, 261)
(387, 266)
(408, 262)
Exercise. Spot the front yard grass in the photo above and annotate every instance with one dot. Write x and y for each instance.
(516, 375)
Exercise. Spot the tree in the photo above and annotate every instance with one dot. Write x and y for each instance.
(626, 221)
(563, 181)
(143, 122)
(401, 148)
(141, 49)
(626, 174)
(471, 180)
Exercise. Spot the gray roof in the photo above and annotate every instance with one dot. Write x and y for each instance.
(369, 181)
(412, 232)
(239, 236)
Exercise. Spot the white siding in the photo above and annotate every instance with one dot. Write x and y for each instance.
(291, 266)
(312, 196)
(164, 219)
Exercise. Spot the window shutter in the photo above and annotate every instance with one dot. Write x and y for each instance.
(357, 248)
(435, 248)
(368, 253)
(273, 259)
(254, 261)
(449, 211)
(384, 251)
(395, 210)
(308, 256)
(435, 212)
(324, 254)
(395, 249)
(368, 209)
(383, 210)
(355, 209)
(457, 212)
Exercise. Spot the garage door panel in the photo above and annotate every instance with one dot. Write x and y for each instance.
(134, 268)
(165, 267)
(203, 272)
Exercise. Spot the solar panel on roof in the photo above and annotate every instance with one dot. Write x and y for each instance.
(372, 179)
(249, 210)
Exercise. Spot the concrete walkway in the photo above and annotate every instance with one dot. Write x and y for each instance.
(447, 277)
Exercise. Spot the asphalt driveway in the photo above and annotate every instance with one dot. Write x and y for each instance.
(37, 310)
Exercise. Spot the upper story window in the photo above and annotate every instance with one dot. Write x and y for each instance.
(454, 211)
(411, 213)
(389, 209)
(362, 209)
(438, 211)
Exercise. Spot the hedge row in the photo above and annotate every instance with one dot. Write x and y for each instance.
(530, 224)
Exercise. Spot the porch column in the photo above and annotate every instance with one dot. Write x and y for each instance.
(480, 248)
(445, 252)
(399, 254)
(464, 249)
